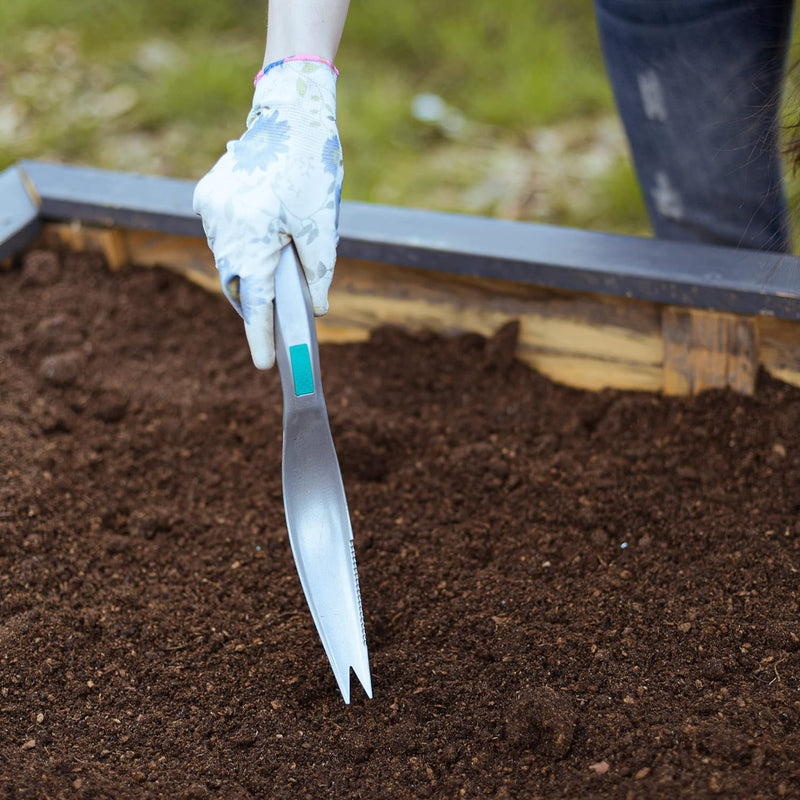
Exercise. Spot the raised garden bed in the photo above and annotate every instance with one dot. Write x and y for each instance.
(567, 593)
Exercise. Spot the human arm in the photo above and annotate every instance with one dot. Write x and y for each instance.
(304, 26)
(281, 180)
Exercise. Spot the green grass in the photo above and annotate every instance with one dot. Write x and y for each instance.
(512, 63)
(161, 86)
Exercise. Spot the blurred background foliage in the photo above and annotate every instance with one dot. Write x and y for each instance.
(496, 108)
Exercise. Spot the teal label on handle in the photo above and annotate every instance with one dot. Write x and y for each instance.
(301, 369)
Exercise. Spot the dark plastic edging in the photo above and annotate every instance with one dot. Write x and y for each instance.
(721, 278)
(19, 213)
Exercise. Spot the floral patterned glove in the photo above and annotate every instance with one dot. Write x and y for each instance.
(281, 181)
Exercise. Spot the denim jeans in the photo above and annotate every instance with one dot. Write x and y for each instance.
(698, 85)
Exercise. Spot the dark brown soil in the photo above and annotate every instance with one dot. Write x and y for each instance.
(566, 594)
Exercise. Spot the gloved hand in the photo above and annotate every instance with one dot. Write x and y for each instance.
(281, 181)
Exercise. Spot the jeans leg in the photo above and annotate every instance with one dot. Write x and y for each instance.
(698, 86)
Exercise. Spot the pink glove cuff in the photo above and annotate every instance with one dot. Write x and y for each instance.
(316, 59)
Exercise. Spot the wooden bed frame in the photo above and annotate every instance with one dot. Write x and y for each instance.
(595, 310)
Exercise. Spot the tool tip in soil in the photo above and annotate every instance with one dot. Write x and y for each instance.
(361, 672)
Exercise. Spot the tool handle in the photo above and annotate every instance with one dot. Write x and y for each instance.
(296, 346)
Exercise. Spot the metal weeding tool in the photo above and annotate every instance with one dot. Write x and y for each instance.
(313, 494)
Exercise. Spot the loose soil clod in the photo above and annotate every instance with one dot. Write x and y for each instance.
(566, 594)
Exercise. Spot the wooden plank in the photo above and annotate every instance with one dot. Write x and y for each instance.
(708, 350)
(80, 238)
(581, 370)
(615, 334)
(585, 372)
(581, 339)
(596, 374)
(589, 341)
(188, 255)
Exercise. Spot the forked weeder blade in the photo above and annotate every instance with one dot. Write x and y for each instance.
(343, 682)
(366, 681)
(341, 670)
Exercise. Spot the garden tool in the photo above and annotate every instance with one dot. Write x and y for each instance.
(313, 494)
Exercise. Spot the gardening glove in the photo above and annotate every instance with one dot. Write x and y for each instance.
(281, 181)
